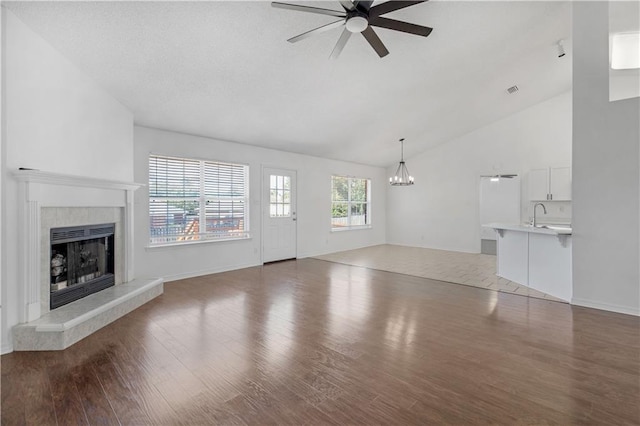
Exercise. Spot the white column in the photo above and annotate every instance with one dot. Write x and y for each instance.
(128, 237)
(30, 259)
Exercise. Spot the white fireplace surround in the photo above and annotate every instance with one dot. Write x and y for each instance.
(38, 190)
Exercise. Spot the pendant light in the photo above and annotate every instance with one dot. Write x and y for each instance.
(402, 176)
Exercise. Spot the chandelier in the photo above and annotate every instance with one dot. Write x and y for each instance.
(402, 176)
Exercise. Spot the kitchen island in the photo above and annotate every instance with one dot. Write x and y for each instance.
(537, 257)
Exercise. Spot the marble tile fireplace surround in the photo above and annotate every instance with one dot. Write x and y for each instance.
(52, 200)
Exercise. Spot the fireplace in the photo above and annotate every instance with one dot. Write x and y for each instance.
(81, 262)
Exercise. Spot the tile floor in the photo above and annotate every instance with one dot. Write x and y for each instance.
(473, 269)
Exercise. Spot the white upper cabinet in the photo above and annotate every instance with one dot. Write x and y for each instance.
(560, 183)
(550, 184)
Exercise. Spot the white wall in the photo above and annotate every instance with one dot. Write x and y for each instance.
(442, 209)
(606, 175)
(314, 205)
(56, 119)
(624, 85)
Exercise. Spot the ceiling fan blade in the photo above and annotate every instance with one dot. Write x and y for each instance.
(375, 42)
(499, 176)
(344, 37)
(315, 31)
(363, 5)
(347, 4)
(390, 6)
(300, 8)
(405, 27)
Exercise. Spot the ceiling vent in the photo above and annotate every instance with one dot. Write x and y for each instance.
(511, 90)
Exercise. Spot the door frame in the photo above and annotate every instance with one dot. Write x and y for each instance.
(264, 205)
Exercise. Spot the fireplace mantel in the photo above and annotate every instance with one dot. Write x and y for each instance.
(38, 176)
(38, 189)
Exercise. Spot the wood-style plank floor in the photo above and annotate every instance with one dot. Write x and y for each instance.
(312, 342)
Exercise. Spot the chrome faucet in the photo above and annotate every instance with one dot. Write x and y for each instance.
(544, 209)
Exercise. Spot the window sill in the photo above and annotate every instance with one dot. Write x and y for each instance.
(351, 228)
(189, 243)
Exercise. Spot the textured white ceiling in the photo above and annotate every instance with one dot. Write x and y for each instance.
(224, 70)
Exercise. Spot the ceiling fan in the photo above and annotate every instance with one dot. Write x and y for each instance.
(359, 17)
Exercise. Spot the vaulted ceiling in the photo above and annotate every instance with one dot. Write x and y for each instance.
(225, 70)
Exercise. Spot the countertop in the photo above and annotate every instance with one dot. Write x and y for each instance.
(551, 230)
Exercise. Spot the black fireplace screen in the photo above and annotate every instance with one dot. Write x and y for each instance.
(82, 262)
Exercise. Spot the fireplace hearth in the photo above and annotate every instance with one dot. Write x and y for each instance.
(82, 262)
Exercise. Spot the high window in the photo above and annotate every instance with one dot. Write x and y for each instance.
(197, 200)
(350, 203)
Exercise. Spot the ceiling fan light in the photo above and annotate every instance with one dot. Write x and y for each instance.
(357, 24)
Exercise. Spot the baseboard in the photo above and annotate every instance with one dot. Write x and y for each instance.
(606, 306)
(176, 277)
(5, 349)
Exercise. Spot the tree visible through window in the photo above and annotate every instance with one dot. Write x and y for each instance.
(350, 202)
(192, 200)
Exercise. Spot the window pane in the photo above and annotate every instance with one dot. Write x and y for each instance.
(358, 214)
(174, 177)
(340, 188)
(224, 217)
(272, 197)
(280, 182)
(287, 182)
(287, 210)
(280, 209)
(224, 180)
(286, 198)
(173, 220)
(339, 210)
(339, 215)
(272, 210)
(358, 189)
(272, 182)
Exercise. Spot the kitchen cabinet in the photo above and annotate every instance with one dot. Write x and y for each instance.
(550, 184)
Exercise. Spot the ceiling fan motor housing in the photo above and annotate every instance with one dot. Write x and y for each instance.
(357, 21)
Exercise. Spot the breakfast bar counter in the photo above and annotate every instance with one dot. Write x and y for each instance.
(538, 257)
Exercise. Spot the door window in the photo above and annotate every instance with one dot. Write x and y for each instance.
(279, 196)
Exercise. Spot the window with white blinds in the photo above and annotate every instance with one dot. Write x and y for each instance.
(196, 200)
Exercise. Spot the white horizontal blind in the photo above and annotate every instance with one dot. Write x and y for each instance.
(191, 200)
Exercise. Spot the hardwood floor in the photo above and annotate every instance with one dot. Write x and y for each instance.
(314, 342)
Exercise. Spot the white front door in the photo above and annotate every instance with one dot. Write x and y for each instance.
(279, 214)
